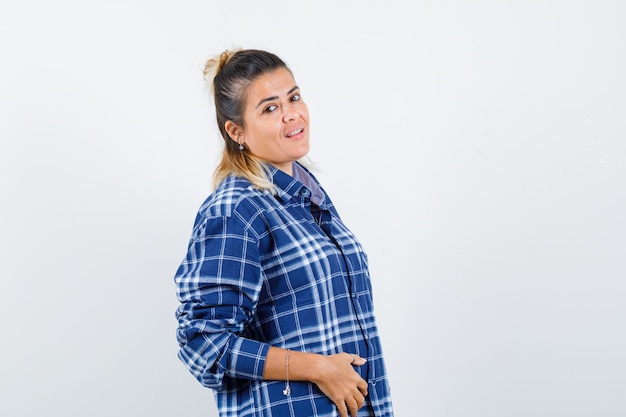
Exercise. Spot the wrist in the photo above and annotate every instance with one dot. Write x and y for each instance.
(313, 371)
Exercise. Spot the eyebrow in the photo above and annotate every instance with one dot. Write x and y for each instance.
(294, 88)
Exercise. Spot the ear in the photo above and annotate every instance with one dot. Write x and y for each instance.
(234, 131)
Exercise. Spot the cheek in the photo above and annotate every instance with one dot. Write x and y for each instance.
(261, 134)
(305, 113)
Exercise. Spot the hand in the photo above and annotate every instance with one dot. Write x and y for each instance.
(341, 383)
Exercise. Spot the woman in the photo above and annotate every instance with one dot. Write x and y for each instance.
(276, 311)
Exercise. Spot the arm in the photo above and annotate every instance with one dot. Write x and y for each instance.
(218, 284)
(334, 375)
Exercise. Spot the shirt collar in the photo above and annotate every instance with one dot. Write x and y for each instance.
(288, 186)
(305, 177)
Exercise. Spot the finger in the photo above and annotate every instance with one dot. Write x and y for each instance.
(356, 360)
(362, 386)
(360, 399)
(343, 410)
(353, 407)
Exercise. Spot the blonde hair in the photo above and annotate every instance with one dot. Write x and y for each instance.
(228, 76)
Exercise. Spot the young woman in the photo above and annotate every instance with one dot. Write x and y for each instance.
(276, 310)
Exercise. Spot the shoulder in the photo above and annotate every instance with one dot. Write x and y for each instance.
(230, 207)
(234, 194)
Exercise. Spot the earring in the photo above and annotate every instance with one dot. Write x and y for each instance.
(240, 144)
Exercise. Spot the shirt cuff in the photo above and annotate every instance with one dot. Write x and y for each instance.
(247, 359)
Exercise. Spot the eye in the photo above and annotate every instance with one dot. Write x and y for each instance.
(295, 97)
(270, 109)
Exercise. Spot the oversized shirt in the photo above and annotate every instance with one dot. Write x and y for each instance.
(278, 270)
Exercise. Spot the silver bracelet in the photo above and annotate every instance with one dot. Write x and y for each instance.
(287, 390)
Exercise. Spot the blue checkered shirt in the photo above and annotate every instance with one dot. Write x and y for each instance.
(278, 270)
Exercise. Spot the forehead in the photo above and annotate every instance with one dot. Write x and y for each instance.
(270, 84)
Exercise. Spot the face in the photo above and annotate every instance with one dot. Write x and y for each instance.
(276, 120)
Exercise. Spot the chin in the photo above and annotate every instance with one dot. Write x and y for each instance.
(302, 154)
(304, 149)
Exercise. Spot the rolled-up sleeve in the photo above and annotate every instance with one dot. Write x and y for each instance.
(218, 285)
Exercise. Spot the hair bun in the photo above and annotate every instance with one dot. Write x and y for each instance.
(215, 64)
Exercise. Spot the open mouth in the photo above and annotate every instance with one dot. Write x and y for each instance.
(295, 133)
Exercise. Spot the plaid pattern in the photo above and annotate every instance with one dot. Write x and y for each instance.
(264, 270)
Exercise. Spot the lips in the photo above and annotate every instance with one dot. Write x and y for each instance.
(295, 132)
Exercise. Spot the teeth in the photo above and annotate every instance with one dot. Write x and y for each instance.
(295, 132)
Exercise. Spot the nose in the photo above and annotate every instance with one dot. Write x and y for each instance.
(289, 115)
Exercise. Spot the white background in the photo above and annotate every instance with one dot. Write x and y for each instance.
(478, 149)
